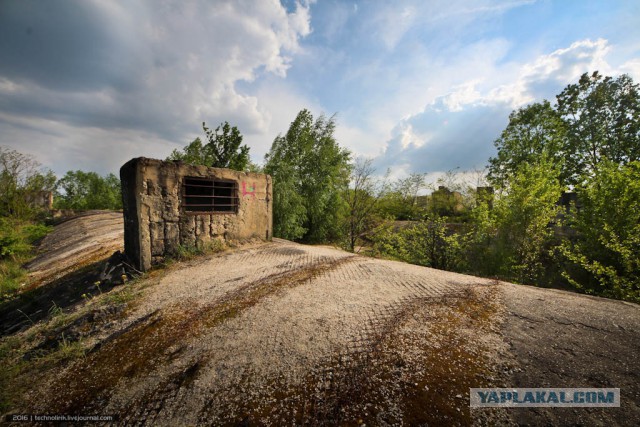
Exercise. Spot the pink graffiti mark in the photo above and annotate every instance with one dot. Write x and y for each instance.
(248, 190)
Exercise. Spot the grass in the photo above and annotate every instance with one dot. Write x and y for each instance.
(23, 358)
(26, 361)
(187, 252)
(12, 277)
(17, 246)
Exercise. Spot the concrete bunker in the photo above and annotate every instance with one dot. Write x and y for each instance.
(168, 205)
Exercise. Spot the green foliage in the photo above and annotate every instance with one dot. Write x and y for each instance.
(225, 147)
(362, 199)
(87, 190)
(429, 242)
(533, 131)
(596, 118)
(511, 241)
(522, 219)
(22, 180)
(310, 175)
(12, 275)
(224, 150)
(604, 256)
(602, 117)
(289, 208)
(195, 153)
(17, 238)
(401, 199)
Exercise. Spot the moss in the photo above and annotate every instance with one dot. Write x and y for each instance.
(145, 345)
(383, 384)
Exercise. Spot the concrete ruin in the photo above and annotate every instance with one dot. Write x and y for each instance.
(40, 200)
(173, 205)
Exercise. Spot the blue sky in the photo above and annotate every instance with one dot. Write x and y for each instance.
(422, 86)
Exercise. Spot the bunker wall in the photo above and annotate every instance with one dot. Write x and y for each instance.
(157, 220)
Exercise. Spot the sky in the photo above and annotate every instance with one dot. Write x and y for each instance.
(419, 86)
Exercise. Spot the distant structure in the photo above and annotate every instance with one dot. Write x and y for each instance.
(445, 202)
(168, 205)
(41, 200)
(485, 195)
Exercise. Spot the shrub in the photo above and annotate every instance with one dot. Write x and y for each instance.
(17, 239)
(604, 256)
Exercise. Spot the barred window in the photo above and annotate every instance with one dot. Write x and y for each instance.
(202, 195)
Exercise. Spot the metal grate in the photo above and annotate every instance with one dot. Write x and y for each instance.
(202, 195)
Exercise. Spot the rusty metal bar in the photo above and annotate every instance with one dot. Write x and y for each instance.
(231, 188)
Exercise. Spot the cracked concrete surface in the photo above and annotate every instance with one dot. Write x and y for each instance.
(562, 339)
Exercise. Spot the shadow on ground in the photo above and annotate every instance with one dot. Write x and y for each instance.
(63, 294)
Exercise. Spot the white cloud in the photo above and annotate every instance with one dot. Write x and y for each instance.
(457, 129)
(462, 95)
(173, 65)
(542, 77)
(632, 68)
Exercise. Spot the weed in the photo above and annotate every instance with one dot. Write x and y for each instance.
(12, 276)
(121, 296)
(187, 252)
(55, 310)
(17, 239)
(68, 350)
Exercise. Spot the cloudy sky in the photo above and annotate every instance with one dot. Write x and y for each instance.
(422, 86)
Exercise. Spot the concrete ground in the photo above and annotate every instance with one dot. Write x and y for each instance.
(282, 333)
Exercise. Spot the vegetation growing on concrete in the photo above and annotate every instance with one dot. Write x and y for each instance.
(17, 246)
(414, 368)
(97, 369)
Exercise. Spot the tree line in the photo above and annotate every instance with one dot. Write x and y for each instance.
(23, 180)
(587, 142)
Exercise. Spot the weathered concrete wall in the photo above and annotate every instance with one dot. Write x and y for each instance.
(41, 200)
(155, 220)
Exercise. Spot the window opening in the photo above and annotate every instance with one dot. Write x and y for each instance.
(202, 195)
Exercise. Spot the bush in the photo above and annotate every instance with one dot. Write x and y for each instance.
(430, 243)
(520, 227)
(88, 190)
(604, 256)
(17, 239)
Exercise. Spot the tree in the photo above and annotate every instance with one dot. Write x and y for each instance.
(401, 200)
(195, 153)
(521, 221)
(21, 180)
(533, 131)
(224, 149)
(310, 175)
(604, 255)
(362, 197)
(595, 119)
(88, 190)
(602, 117)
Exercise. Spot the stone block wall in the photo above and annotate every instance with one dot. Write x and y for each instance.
(157, 222)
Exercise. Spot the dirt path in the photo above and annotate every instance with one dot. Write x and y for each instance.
(281, 333)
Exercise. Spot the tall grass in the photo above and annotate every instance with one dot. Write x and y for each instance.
(17, 246)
